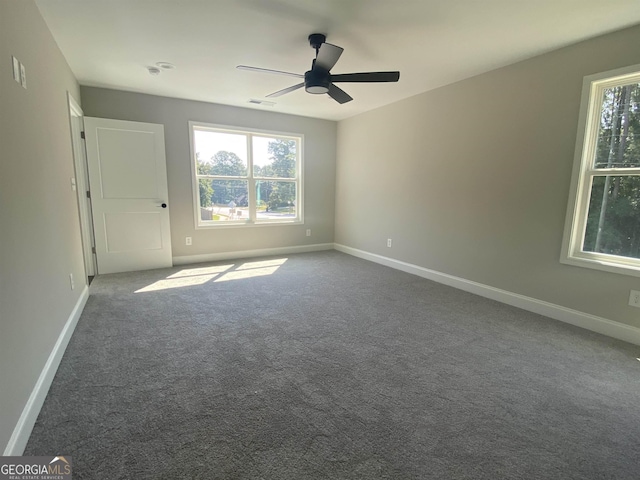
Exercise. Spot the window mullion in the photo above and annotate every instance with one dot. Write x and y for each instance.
(221, 177)
(628, 171)
(251, 185)
(583, 210)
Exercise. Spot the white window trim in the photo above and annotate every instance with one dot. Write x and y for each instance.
(251, 221)
(579, 195)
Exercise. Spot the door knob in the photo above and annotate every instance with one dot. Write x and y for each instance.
(163, 205)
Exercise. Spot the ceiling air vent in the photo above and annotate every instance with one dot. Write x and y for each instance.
(266, 103)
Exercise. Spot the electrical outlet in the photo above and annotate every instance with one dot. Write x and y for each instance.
(389, 241)
(73, 285)
(634, 298)
(188, 241)
(308, 232)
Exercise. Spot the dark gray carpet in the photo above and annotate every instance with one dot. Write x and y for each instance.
(331, 367)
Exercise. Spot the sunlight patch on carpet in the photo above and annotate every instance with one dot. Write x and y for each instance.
(190, 277)
(252, 269)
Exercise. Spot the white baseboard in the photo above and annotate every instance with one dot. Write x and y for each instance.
(27, 420)
(574, 317)
(263, 252)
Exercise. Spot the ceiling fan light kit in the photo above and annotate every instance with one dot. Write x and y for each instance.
(319, 80)
(316, 82)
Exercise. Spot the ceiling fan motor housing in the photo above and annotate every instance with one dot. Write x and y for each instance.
(317, 81)
(316, 40)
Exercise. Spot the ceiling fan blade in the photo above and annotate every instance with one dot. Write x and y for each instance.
(285, 90)
(327, 57)
(367, 77)
(267, 70)
(339, 95)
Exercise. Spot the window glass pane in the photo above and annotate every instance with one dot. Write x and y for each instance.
(613, 224)
(219, 153)
(276, 200)
(274, 157)
(223, 200)
(618, 143)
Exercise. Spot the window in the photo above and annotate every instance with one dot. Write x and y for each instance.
(603, 224)
(245, 178)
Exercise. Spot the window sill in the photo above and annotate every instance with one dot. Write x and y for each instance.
(602, 264)
(212, 226)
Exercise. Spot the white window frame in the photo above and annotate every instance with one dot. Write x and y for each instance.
(583, 172)
(252, 221)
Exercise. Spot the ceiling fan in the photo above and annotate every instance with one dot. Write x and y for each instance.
(319, 79)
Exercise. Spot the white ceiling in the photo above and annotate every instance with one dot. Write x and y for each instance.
(109, 43)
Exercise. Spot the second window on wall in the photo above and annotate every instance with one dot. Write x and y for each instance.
(245, 177)
(603, 231)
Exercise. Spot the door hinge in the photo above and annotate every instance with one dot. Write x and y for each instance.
(88, 194)
(93, 249)
(82, 135)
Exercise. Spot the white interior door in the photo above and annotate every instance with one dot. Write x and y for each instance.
(129, 195)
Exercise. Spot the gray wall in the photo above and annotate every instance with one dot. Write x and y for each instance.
(40, 234)
(472, 179)
(174, 114)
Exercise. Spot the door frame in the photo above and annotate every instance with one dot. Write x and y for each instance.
(76, 122)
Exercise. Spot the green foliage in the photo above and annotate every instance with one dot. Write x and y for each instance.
(282, 165)
(227, 164)
(275, 199)
(271, 194)
(206, 192)
(226, 191)
(283, 155)
(222, 192)
(204, 184)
